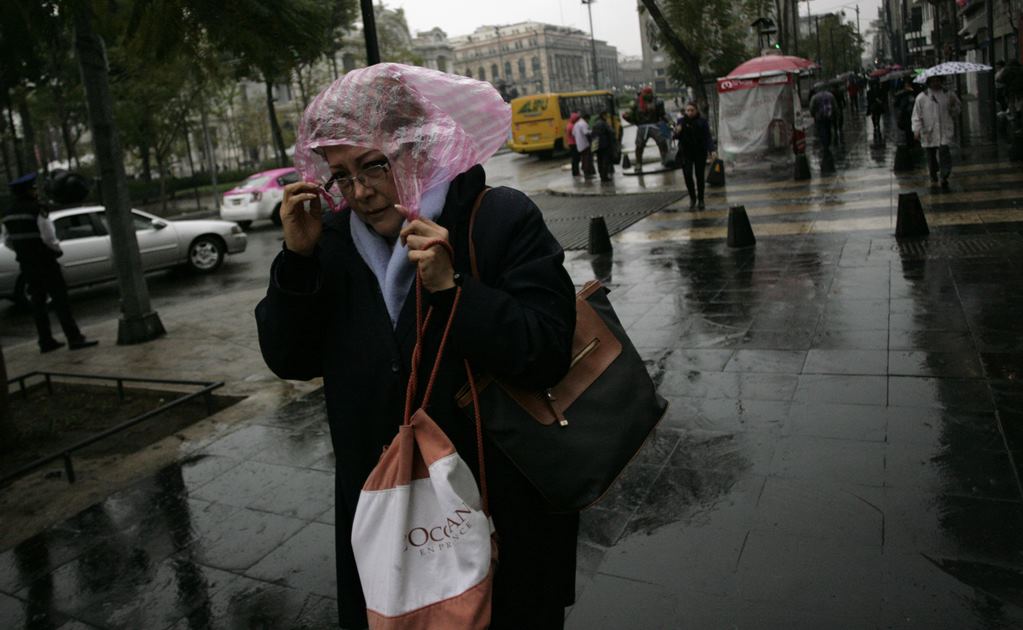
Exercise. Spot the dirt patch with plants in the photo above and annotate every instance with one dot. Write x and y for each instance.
(44, 423)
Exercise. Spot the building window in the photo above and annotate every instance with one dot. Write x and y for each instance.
(482, 74)
(468, 72)
(536, 65)
(522, 69)
(442, 63)
(507, 70)
(494, 74)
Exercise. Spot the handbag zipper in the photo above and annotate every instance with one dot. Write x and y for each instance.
(590, 347)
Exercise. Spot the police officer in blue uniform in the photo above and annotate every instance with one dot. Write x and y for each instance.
(29, 232)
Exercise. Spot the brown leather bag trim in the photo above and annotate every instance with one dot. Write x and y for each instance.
(594, 348)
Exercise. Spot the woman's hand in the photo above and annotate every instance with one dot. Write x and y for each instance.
(433, 262)
(302, 229)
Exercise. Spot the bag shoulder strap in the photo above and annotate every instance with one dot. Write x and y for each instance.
(472, 227)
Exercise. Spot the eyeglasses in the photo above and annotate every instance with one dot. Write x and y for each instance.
(371, 176)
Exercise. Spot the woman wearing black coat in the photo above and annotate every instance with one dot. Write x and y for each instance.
(695, 143)
(331, 311)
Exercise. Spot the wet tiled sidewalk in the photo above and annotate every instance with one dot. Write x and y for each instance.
(844, 443)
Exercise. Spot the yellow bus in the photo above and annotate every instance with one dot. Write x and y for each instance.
(538, 120)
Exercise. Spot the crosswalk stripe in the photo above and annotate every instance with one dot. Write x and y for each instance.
(821, 226)
(881, 174)
(824, 207)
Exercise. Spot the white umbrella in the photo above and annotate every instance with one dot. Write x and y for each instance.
(950, 67)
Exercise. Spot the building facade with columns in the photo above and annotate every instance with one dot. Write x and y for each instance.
(532, 57)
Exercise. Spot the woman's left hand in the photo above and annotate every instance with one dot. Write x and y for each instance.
(433, 262)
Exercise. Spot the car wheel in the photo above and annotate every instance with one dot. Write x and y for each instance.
(244, 224)
(206, 254)
(275, 216)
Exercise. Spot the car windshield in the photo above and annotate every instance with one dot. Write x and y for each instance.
(256, 181)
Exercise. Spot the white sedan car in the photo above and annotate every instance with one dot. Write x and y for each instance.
(88, 256)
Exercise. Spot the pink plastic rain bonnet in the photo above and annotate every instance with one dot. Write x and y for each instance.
(431, 125)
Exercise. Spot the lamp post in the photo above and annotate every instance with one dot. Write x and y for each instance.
(593, 42)
(500, 55)
(369, 30)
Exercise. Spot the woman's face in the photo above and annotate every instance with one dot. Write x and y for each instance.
(691, 111)
(373, 203)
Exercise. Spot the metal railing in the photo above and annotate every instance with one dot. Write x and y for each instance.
(206, 392)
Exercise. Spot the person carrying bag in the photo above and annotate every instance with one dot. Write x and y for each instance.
(390, 159)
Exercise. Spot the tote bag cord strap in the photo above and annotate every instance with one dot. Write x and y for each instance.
(472, 226)
(484, 495)
(422, 322)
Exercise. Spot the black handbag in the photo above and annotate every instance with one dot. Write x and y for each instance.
(573, 440)
(716, 173)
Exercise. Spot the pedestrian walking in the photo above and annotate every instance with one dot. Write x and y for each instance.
(822, 107)
(695, 144)
(570, 142)
(838, 113)
(29, 231)
(604, 138)
(875, 107)
(904, 102)
(648, 115)
(934, 113)
(853, 89)
(402, 148)
(581, 133)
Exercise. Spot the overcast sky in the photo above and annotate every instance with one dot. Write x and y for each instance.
(615, 21)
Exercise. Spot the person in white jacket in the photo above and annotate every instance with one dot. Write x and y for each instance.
(934, 115)
(581, 132)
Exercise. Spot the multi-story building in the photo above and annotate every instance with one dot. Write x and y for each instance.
(531, 57)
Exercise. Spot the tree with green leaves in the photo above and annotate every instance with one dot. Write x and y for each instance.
(267, 39)
(837, 47)
(706, 38)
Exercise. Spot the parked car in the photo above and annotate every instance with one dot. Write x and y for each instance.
(258, 197)
(88, 256)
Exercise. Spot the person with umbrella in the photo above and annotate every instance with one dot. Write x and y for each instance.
(933, 124)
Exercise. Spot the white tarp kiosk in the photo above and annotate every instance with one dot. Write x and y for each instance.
(758, 116)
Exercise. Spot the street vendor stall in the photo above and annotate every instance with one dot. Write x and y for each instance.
(759, 117)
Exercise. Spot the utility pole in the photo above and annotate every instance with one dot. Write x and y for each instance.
(993, 111)
(500, 53)
(831, 39)
(593, 42)
(795, 27)
(859, 40)
(817, 27)
(369, 31)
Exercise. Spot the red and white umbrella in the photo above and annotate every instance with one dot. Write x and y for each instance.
(768, 65)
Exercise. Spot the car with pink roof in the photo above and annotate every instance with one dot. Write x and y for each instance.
(258, 197)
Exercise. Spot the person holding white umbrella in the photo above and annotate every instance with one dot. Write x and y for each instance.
(933, 123)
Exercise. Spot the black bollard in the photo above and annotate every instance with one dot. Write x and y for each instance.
(903, 159)
(911, 221)
(740, 232)
(1016, 148)
(802, 171)
(626, 162)
(600, 240)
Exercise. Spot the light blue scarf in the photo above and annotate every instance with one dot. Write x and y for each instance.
(390, 264)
